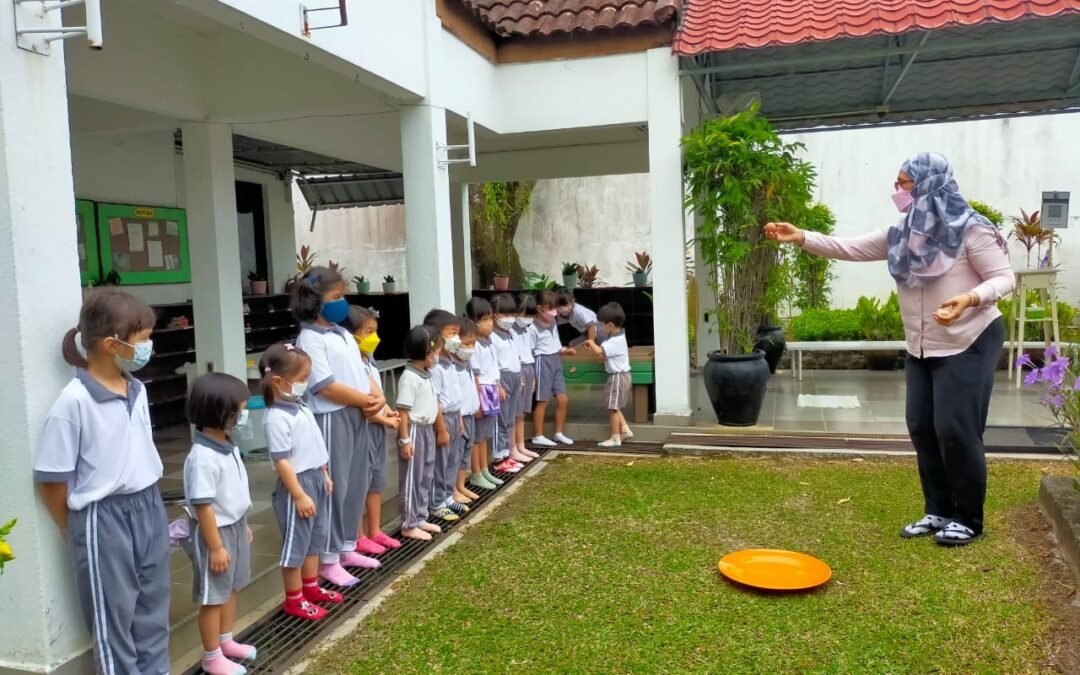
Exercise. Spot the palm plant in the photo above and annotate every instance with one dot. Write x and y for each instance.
(1029, 231)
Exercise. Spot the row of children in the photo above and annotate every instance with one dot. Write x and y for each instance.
(467, 387)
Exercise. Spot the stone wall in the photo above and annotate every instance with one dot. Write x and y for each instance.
(848, 360)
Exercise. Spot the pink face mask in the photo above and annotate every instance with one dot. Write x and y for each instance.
(550, 314)
(903, 199)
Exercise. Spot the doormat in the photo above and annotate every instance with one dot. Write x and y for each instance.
(833, 402)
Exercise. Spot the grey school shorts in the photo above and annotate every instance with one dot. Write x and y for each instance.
(464, 452)
(215, 588)
(528, 375)
(301, 537)
(484, 428)
(549, 377)
(378, 456)
(617, 391)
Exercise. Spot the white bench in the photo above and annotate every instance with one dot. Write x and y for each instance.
(797, 348)
(387, 369)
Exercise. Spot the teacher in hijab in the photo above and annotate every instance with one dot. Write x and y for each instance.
(951, 265)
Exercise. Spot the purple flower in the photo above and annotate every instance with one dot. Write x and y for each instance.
(1023, 361)
(1055, 372)
(1051, 352)
(1031, 378)
(1076, 387)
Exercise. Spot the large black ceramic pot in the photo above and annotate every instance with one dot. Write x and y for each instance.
(736, 387)
(770, 339)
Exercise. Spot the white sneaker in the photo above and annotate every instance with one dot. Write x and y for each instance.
(610, 443)
(543, 442)
(562, 438)
(627, 434)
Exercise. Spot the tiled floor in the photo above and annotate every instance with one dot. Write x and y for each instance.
(880, 394)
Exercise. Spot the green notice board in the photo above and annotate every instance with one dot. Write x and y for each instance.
(89, 261)
(144, 244)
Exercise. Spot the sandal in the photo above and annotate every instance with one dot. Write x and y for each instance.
(922, 527)
(955, 534)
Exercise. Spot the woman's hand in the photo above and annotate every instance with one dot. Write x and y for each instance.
(951, 309)
(785, 233)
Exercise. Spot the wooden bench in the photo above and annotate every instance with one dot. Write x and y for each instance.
(585, 368)
(797, 348)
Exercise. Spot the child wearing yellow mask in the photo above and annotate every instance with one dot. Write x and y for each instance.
(363, 323)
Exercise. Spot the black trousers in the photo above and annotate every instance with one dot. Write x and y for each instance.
(948, 400)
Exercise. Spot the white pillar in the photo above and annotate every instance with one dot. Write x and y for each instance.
(39, 272)
(462, 243)
(668, 239)
(213, 236)
(280, 233)
(429, 255)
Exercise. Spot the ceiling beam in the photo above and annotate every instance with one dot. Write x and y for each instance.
(907, 66)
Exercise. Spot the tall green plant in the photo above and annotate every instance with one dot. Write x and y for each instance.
(880, 321)
(740, 175)
(811, 276)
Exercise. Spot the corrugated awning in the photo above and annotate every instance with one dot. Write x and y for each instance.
(853, 62)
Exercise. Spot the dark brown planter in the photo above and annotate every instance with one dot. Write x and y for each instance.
(881, 360)
(1060, 503)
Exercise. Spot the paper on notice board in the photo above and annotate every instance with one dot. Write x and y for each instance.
(152, 229)
(116, 226)
(135, 237)
(82, 251)
(170, 262)
(172, 229)
(154, 256)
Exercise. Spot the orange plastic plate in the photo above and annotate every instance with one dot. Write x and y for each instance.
(774, 570)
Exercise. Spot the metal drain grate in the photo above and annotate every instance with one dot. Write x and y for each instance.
(282, 640)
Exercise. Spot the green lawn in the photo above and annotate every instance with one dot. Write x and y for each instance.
(603, 565)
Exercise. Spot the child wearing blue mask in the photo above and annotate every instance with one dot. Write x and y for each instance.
(98, 470)
(342, 395)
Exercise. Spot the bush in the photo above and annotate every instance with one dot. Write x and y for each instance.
(988, 212)
(879, 321)
(820, 325)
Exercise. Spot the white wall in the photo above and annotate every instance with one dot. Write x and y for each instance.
(1005, 163)
(598, 221)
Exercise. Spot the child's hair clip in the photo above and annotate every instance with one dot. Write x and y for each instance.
(289, 347)
(267, 370)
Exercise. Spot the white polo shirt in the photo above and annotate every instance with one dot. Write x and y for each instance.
(447, 384)
(416, 394)
(616, 353)
(334, 358)
(293, 434)
(470, 398)
(580, 318)
(485, 362)
(506, 352)
(214, 474)
(98, 442)
(545, 339)
(525, 341)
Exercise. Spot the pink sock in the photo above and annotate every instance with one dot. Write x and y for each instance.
(354, 559)
(236, 650)
(337, 575)
(215, 663)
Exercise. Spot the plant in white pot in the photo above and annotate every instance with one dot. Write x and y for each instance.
(389, 285)
(570, 274)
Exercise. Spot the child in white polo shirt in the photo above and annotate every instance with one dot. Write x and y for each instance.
(506, 352)
(524, 340)
(218, 499)
(616, 357)
(418, 404)
(550, 381)
(447, 383)
(98, 469)
(579, 317)
(340, 395)
(301, 498)
(470, 406)
(485, 365)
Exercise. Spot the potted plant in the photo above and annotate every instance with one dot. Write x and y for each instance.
(258, 283)
(389, 285)
(589, 277)
(1028, 230)
(880, 322)
(502, 281)
(305, 260)
(570, 274)
(538, 282)
(740, 175)
(640, 268)
(362, 284)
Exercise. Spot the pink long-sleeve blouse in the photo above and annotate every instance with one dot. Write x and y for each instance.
(982, 267)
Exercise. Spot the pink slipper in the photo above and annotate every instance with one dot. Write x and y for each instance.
(386, 540)
(354, 559)
(336, 574)
(368, 547)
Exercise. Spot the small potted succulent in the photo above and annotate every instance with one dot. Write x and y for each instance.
(362, 284)
(389, 285)
(640, 268)
(502, 281)
(570, 274)
(258, 283)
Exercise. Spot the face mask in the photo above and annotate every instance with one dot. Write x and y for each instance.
(465, 353)
(505, 324)
(336, 310)
(368, 344)
(550, 314)
(903, 199)
(452, 344)
(524, 321)
(143, 351)
(564, 311)
(295, 392)
(244, 428)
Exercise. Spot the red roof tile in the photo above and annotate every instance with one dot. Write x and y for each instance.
(532, 18)
(721, 25)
